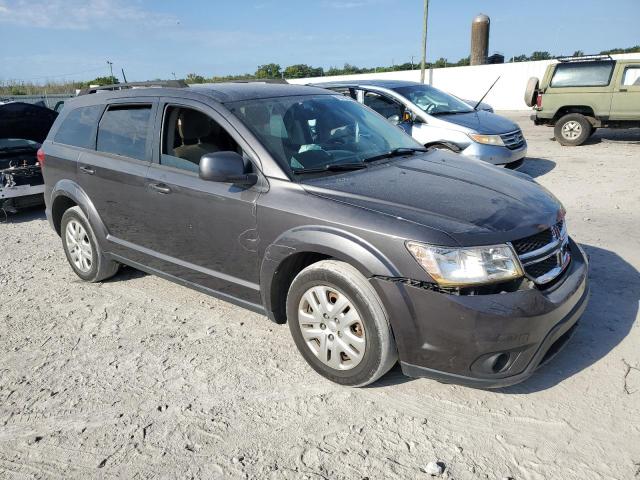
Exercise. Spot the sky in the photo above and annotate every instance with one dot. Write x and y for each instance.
(73, 39)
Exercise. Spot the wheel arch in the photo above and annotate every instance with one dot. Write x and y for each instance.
(585, 110)
(298, 248)
(66, 194)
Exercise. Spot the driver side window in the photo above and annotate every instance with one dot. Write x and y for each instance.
(388, 108)
(188, 134)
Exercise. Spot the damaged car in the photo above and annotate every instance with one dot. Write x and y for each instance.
(23, 127)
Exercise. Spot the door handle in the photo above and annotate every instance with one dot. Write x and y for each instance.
(87, 170)
(623, 90)
(160, 187)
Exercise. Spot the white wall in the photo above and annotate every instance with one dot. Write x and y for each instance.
(470, 82)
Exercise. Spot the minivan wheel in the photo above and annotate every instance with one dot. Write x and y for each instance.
(339, 324)
(82, 250)
(572, 130)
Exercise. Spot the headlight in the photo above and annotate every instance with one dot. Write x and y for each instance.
(487, 139)
(467, 266)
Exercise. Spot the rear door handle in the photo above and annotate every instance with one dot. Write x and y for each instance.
(87, 170)
(160, 187)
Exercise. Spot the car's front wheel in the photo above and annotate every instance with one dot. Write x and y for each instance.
(339, 324)
(82, 249)
(572, 130)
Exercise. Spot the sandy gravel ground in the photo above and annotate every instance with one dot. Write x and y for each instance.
(141, 378)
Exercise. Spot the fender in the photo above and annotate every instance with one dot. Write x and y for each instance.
(70, 189)
(322, 240)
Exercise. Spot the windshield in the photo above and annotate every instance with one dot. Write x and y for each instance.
(321, 132)
(432, 100)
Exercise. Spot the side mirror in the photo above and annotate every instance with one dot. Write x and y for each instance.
(408, 117)
(225, 167)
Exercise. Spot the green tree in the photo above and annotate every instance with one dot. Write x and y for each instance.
(520, 58)
(463, 62)
(578, 53)
(270, 70)
(103, 81)
(302, 70)
(195, 78)
(540, 56)
(440, 63)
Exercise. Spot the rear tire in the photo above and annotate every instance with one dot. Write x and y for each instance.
(339, 325)
(82, 249)
(572, 130)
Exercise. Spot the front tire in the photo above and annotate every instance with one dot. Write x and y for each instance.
(572, 130)
(339, 324)
(82, 249)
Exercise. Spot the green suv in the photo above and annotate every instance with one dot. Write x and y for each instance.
(577, 95)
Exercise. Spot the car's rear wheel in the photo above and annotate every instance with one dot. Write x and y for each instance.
(339, 324)
(572, 130)
(82, 249)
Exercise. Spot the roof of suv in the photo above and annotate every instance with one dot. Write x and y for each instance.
(222, 92)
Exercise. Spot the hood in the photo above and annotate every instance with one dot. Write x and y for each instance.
(24, 120)
(472, 201)
(481, 121)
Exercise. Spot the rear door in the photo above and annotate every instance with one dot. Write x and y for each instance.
(113, 175)
(626, 96)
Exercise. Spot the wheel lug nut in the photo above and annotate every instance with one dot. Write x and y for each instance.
(323, 326)
(325, 316)
(330, 337)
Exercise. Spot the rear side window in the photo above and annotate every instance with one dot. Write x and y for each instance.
(583, 74)
(124, 130)
(631, 76)
(78, 127)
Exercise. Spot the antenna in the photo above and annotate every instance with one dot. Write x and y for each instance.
(486, 93)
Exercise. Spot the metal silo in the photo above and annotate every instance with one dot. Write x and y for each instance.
(480, 39)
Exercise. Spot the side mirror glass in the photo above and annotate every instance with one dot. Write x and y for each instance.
(225, 167)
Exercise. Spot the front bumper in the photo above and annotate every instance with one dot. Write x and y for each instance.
(495, 154)
(459, 338)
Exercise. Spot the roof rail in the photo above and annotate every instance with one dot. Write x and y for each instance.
(122, 86)
(584, 58)
(260, 80)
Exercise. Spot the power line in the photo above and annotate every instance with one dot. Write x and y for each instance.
(60, 75)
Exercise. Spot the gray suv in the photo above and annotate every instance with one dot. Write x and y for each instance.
(304, 205)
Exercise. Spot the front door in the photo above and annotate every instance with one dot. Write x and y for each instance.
(626, 94)
(200, 231)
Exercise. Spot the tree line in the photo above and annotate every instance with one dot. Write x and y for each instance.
(275, 71)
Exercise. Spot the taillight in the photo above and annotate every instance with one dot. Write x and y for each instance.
(40, 157)
(539, 101)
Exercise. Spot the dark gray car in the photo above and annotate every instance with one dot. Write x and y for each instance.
(305, 206)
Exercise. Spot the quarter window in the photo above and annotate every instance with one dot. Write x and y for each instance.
(582, 74)
(124, 129)
(631, 77)
(188, 134)
(77, 128)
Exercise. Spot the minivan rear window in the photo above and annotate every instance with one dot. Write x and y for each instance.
(124, 129)
(583, 74)
(77, 127)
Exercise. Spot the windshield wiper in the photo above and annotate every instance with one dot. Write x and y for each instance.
(450, 112)
(332, 167)
(396, 152)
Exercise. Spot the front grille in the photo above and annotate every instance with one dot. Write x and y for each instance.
(542, 267)
(534, 242)
(513, 140)
(545, 254)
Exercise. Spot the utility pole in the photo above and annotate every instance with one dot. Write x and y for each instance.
(424, 40)
(110, 67)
